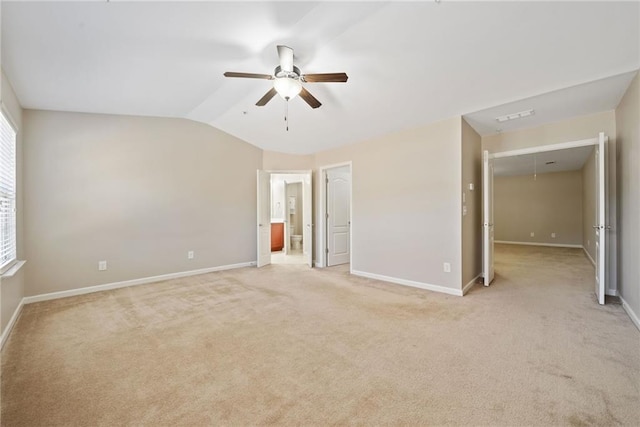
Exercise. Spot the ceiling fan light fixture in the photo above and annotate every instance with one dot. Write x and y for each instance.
(287, 87)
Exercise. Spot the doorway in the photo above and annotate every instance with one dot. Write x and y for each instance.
(336, 214)
(284, 229)
(516, 159)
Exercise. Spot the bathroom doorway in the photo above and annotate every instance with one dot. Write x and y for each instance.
(284, 218)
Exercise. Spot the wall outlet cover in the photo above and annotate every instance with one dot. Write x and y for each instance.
(190, 255)
(446, 267)
(533, 234)
(102, 265)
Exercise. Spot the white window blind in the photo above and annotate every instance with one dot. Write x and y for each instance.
(7, 192)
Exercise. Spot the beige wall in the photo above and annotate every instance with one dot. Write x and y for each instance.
(12, 288)
(589, 205)
(406, 203)
(472, 221)
(552, 203)
(272, 160)
(138, 192)
(577, 128)
(628, 126)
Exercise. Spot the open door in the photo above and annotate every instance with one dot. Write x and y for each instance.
(264, 218)
(487, 224)
(601, 216)
(338, 216)
(307, 217)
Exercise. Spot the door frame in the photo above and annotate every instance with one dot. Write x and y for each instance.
(609, 269)
(322, 214)
(292, 172)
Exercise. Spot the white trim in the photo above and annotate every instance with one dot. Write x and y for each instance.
(545, 148)
(634, 317)
(13, 268)
(589, 256)
(134, 282)
(553, 245)
(611, 292)
(427, 286)
(287, 171)
(5, 110)
(470, 284)
(11, 324)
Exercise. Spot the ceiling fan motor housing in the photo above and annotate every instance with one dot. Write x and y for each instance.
(279, 73)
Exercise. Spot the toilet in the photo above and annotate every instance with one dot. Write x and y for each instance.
(296, 241)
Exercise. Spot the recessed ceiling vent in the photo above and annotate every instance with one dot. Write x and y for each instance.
(550, 163)
(514, 116)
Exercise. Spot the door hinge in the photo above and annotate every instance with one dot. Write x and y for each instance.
(326, 180)
(327, 250)
(327, 214)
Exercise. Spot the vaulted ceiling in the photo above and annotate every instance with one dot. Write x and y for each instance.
(409, 63)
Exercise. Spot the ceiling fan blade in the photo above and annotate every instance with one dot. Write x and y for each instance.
(266, 98)
(309, 99)
(285, 53)
(249, 75)
(325, 78)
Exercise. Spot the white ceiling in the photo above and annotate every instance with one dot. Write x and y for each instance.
(409, 63)
(588, 98)
(570, 159)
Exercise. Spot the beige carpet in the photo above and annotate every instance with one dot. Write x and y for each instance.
(287, 345)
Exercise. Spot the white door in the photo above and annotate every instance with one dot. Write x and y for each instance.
(601, 216)
(307, 217)
(264, 218)
(338, 216)
(487, 222)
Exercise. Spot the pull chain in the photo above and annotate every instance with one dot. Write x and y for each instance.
(535, 167)
(286, 113)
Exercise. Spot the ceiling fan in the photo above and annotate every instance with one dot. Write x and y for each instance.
(288, 80)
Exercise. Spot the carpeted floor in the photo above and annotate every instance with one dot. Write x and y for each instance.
(289, 345)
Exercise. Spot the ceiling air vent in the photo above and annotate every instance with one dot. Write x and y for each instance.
(514, 116)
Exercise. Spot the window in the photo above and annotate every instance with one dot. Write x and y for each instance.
(7, 192)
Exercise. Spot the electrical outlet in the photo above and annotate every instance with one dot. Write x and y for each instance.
(446, 267)
(464, 210)
(102, 265)
(190, 255)
(553, 235)
(533, 234)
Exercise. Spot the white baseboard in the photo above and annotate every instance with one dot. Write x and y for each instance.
(589, 256)
(553, 245)
(427, 286)
(11, 324)
(470, 284)
(134, 282)
(634, 317)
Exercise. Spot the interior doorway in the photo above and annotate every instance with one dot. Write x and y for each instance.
(553, 196)
(336, 214)
(284, 218)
